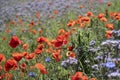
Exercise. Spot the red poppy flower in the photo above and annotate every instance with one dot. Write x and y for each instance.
(85, 19)
(61, 31)
(32, 24)
(25, 46)
(70, 48)
(60, 40)
(14, 42)
(58, 43)
(71, 23)
(10, 64)
(2, 57)
(23, 67)
(17, 56)
(56, 11)
(38, 51)
(103, 19)
(0, 67)
(89, 14)
(79, 76)
(25, 53)
(8, 76)
(41, 67)
(109, 3)
(30, 56)
(41, 39)
(2, 76)
(40, 46)
(108, 34)
(110, 26)
(57, 56)
(101, 15)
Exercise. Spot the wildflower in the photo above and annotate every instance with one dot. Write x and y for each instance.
(114, 74)
(102, 65)
(0, 67)
(64, 64)
(2, 58)
(103, 19)
(108, 34)
(79, 76)
(110, 26)
(82, 25)
(89, 14)
(17, 56)
(119, 46)
(4, 38)
(98, 58)
(81, 6)
(30, 56)
(61, 31)
(38, 51)
(14, 42)
(61, 40)
(92, 42)
(85, 19)
(109, 3)
(41, 39)
(116, 33)
(56, 11)
(57, 56)
(32, 24)
(12, 22)
(2, 76)
(117, 17)
(71, 23)
(8, 76)
(10, 64)
(40, 46)
(71, 54)
(72, 60)
(23, 67)
(92, 50)
(87, 61)
(47, 59)
(110, 64)
(31, 74)
(111, 43)
(101, 15)
(25, 46)
(70, 48)
(41, 67)
(24, 53)
(58, 43)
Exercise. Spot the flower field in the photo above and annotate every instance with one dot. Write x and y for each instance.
(60, 40)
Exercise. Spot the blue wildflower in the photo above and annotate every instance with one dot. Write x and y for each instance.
(92, 43)
(47, 59)
(31, 74)
(110, 64)
(72, 60)
(64, 64)
(114, 74)
(102, 65)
